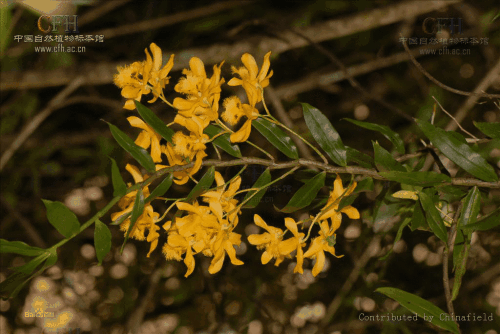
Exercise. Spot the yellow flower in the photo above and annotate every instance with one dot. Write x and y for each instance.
(132, 79)
(147, 137)
(182, 245)
(252, 82)
(202, 94)
(333, 202)
(321, 244)
(224, 244)
(158, 77)
(174, 159)
(146, 221)
(221, 201)
(269, 240)
(294, 243)
(234, 111)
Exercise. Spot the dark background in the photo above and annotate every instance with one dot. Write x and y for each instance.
(65, 158)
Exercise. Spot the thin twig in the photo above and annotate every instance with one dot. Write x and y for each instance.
(349, 282)
(104, 8)
(26, 225)
(488, 80)
(354, 83)
(282, 115)
(33, 124)
(137, 317)
(446, 251)
(440, 84)
(454, 119)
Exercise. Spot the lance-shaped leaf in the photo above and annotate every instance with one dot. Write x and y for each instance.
(305, 195)
(203, 185)
(119, 186)
(102, 240)
(492, 130)
(384, 130)
(33, 264)
(18, 247)
(460, 255)
(276, 137)
(223, 141)
(138, 153)
(485, 223)
(153, 121)
(161, 189)
(137, 211)
(62, 218)
(384, 160)
(325, 134)
(364, 160)
(433, 217)
(458, 151)
(423, 179)
(470, 208)
(423, 308)
(418, 219)
(263, 179)
(10, 287)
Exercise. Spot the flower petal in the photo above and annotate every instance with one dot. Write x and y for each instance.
(249, 61)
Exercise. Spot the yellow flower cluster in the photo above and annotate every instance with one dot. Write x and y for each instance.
(208, 229)
(277, 248)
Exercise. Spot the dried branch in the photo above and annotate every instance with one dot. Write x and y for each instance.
(489, 79)
(354, 83)
(33, 124)
(445, 87)
(349, 282)
(102, 73)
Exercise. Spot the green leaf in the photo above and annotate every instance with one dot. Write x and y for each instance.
(460, 255)
(137, 211)
(119, 186)
(384, 130)
(62, 218)
(421, 307)
(138, 153)
(161, 189)
(364, 160)
(10, 287)
(223, 140)
(13, 284)
(346, 201)
(384, 160)
(325, 134)
(305, 195)
(398, 236)
(485, 223)
(18, 247)
(121, 218)
(458, 152)
(5, 32)
(153, 121)
(418, 219)
(423, 179)
(138, 208)
(31, 265)
(203, 185)
(492, 130)
(102, 240)
(276, 137)
(433, 217)
(263, 179)
(470, 208)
